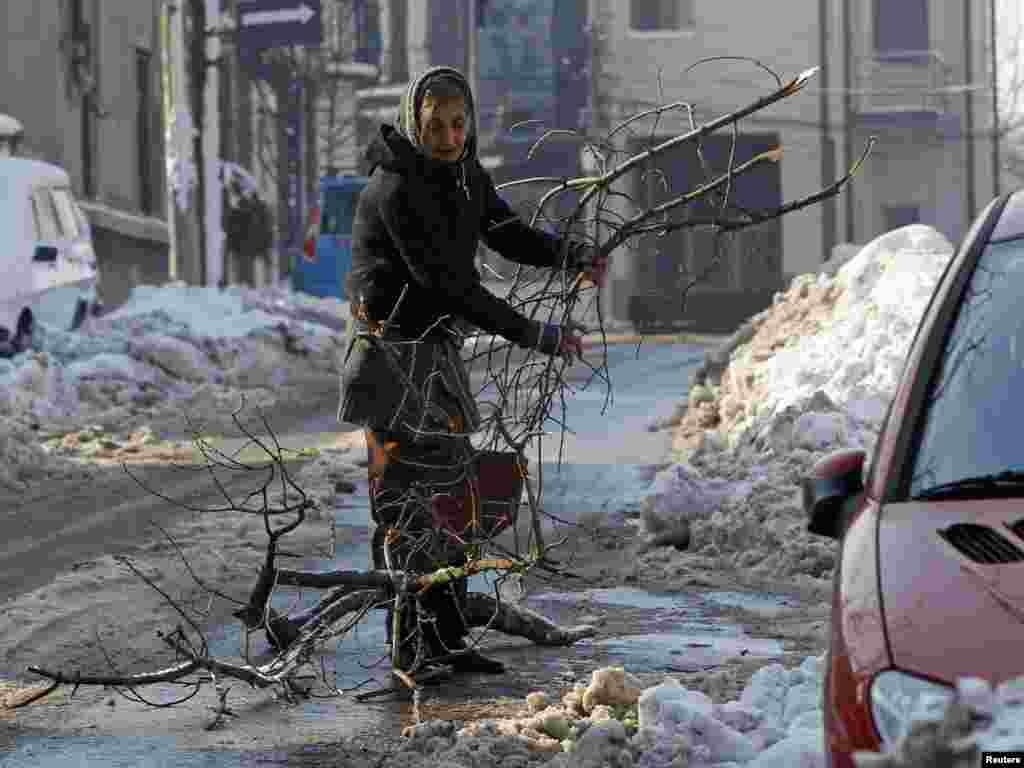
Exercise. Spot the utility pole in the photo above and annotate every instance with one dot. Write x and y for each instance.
(182, 209)
(197, 89)
(213, 187)
(204, 49)
(173, 66)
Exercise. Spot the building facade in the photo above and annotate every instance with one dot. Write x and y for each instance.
(83, 77)
(916, 75)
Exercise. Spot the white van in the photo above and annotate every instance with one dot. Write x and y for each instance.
(48, 269)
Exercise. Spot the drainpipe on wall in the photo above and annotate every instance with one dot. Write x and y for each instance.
(828, 214)
(212, 187)
(996, 162)
(969, 106)
(847, 116)
(197, 74)
(472, 36)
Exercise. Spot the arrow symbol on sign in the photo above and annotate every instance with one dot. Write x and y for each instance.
(302, 14)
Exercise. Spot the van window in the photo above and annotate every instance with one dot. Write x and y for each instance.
(47, 226)
(65, 211)
(339, 211)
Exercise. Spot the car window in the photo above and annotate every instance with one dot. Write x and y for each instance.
(46, 215)
(65, 211)
(37, 222)
(966, 430)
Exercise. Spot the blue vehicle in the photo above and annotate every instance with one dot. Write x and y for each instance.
(327, 250)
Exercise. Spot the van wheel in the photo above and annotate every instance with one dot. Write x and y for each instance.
(23, 333)
(81, 310)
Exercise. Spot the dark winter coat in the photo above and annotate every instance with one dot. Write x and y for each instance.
(417, 226)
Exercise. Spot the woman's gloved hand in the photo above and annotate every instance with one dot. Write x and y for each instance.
(560, 340)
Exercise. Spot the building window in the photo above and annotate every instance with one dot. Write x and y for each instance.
(660, 15)
(368, 38)
(399, 42)
(901, 26)
(144, 133)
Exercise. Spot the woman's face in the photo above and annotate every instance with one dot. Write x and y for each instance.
(443, 129)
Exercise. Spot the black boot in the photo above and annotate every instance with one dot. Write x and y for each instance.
(474, 661)
(463, 659)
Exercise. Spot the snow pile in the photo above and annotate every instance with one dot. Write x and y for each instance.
(169, 352)
(813, 373)
(953, 735)
(775, 722)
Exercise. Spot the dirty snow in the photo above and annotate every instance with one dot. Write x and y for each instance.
(952, 734)
(171, 354)
(811, 374)
(613, 721)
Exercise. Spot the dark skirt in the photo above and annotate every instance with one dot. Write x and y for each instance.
(413, 399)
(426, 482)
(394, 383)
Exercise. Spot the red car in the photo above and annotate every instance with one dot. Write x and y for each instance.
(929, 582)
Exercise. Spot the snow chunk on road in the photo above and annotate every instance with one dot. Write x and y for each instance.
(669, 714)
(978, 719)
(802, 750)
(671, 726)
(676, 494)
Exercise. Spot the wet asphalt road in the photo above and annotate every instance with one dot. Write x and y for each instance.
(106, 511)
(653, 633)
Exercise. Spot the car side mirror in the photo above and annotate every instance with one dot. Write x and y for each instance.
(45, 254)
(833, 480)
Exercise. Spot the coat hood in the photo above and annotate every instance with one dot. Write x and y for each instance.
(397, 146)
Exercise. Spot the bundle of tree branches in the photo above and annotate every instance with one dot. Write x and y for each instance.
(522, 397)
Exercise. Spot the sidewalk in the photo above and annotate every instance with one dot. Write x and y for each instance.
(611, 339)
(705, 339)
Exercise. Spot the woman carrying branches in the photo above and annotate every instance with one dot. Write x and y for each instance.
(413, 287)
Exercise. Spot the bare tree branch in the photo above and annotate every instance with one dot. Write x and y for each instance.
(525, 396)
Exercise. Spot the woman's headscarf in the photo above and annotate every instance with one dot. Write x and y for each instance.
(412, 102)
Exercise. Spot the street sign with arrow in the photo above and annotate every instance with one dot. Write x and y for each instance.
(277, 23)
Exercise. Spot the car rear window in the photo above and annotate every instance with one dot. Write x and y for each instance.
(65, 206)
(971, 426)
(47, 224)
